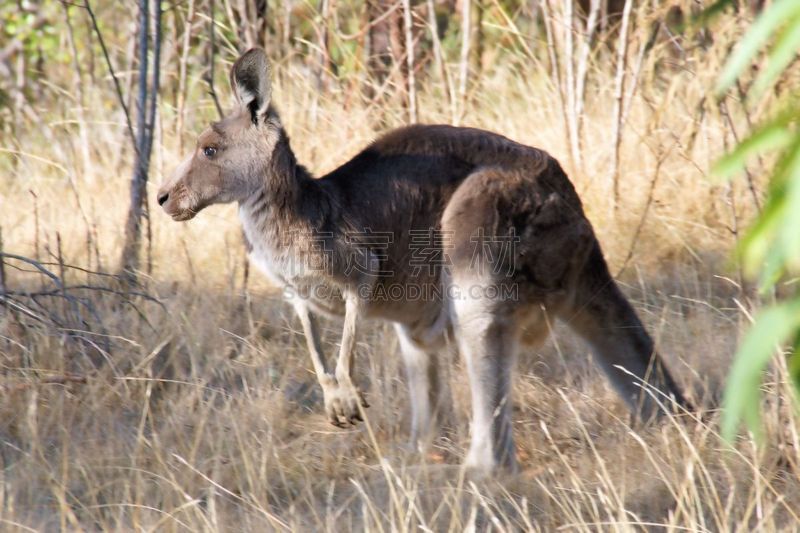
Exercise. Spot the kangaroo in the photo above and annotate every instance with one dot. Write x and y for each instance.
(446, 232)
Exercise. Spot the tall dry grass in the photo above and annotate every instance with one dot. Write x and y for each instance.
(200, 411)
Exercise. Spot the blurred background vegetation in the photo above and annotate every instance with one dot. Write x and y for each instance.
(596, 65)
(149, 381)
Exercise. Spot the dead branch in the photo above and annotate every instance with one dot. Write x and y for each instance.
(2, 265)
(212, 52)
(64, 379)
(79, 317)
(113, 74)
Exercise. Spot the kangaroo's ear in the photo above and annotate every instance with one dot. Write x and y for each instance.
(251, 84)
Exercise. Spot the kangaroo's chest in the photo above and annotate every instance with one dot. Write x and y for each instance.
(299, 272)
(298, 282)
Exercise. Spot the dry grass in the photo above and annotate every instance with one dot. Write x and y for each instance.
(205, 414)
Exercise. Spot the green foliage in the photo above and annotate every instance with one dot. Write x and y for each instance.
(782, 16)
(17, 24)
(771, 248)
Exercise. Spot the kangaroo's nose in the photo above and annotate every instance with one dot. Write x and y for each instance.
(162, 198)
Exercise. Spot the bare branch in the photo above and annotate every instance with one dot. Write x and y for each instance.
(117, 86)
(212, 52)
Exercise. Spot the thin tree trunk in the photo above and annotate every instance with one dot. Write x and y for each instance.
(379, 61)
(555, 47)
(411, 82)
(476, 36)
(583, 65)
(569, 53)
(323, 58)
(184, 60)
(321, 66)
(212, 50)
(438, 55)
(145, 118)
(463, 68)
(619, 91)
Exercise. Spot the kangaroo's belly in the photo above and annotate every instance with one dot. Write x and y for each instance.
(395, 299)
(283, 272)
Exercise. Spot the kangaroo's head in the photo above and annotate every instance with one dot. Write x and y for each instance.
(231, 156)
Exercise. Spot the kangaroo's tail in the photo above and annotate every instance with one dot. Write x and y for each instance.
(602, 315)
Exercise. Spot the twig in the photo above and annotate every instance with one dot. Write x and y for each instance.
(322, 60)
(645, 211)
(637, 71)
(212, 51)
(36, 227)
(84, 137)
(36, 264)
(184, 60)
(56, 292)
(3, 288)
(74, 323)
(723, 107)
(117, 86)
(64, 379)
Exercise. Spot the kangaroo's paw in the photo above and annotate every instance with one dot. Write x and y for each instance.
(343, 401)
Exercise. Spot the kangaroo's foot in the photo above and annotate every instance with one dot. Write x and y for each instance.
(343, 401)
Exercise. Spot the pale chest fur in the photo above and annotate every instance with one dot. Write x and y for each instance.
(280, 259)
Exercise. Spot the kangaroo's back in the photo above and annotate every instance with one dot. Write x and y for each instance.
(408, 175)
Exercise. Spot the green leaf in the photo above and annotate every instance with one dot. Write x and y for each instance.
(770, 136)
(794, 367)
(761, 30)
(756, 243)
(790, 226)
(742, 397)
(773, 269)
(708, 14)
(781, 55)
(763, 241)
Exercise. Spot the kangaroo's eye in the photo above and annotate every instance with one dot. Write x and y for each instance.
(209, 151)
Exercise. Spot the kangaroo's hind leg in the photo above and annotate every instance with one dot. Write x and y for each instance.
(428, 392)
(487, 340)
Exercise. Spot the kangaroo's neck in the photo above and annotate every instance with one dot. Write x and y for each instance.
(286, 200)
